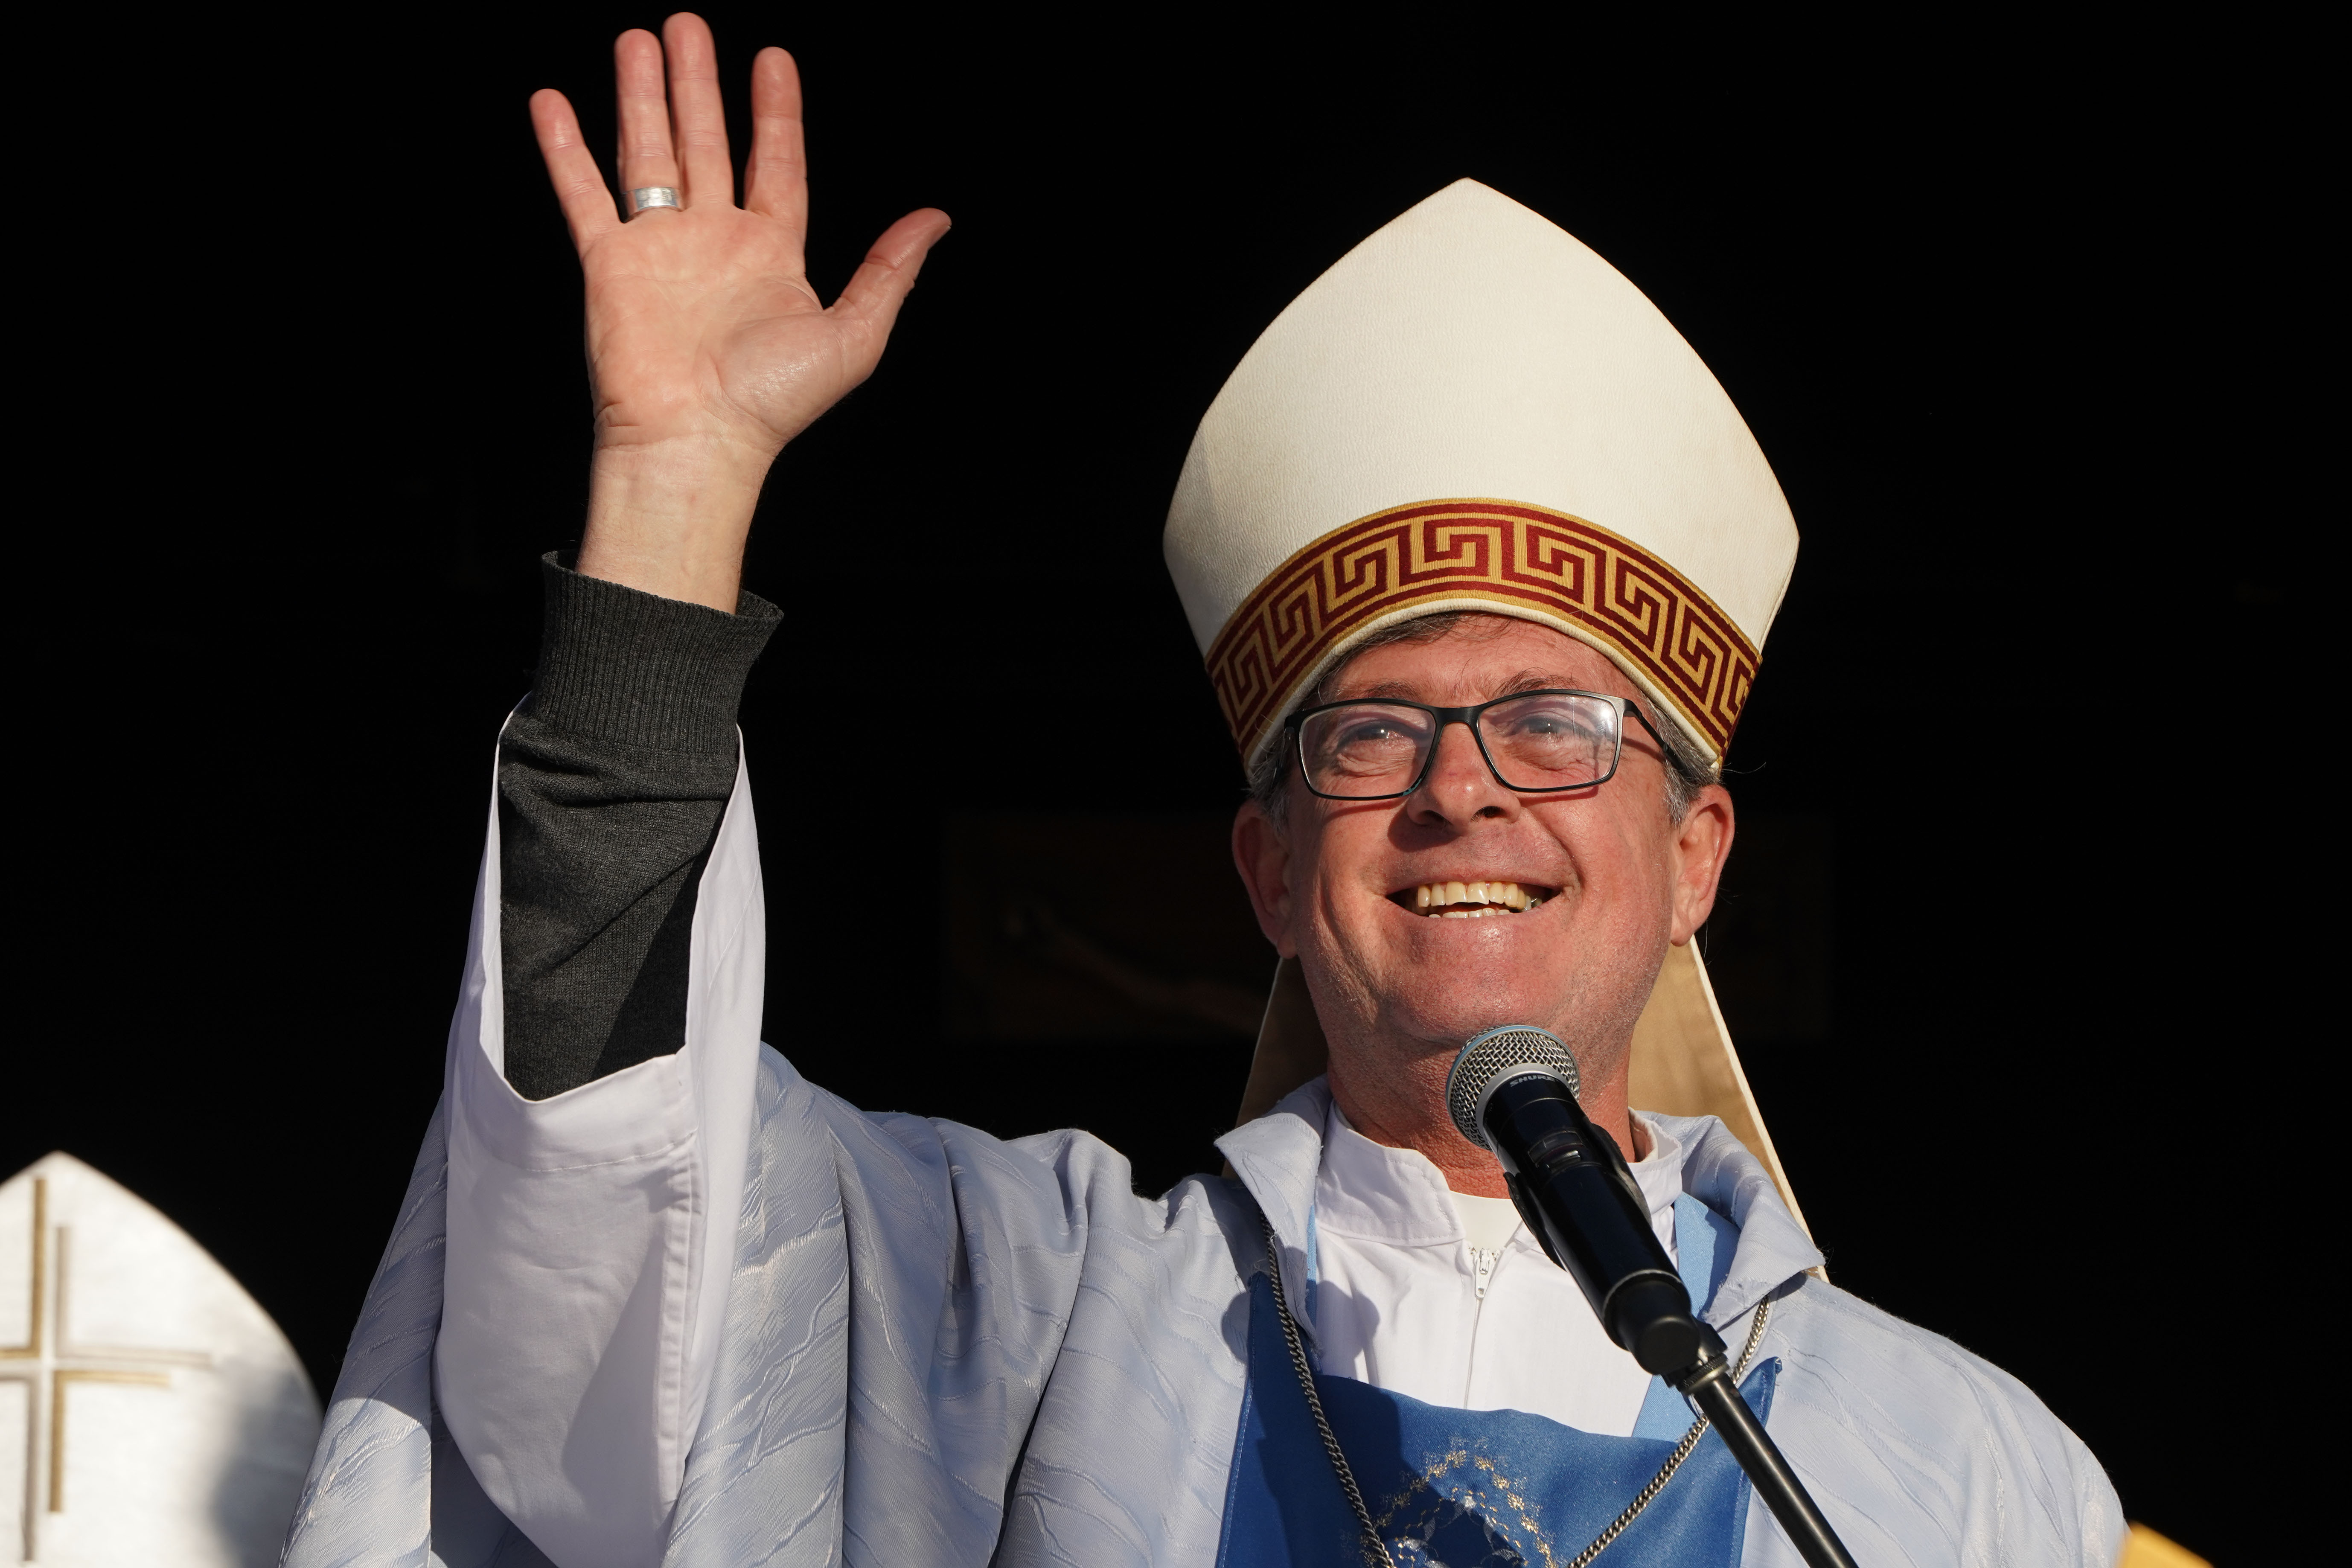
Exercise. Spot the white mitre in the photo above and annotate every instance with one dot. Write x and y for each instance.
(1472, 411)
(150, 1411)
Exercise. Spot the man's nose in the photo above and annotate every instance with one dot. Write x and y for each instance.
(1459, 787)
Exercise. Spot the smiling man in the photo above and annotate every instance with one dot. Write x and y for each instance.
(1457, 772)
(1481, 560)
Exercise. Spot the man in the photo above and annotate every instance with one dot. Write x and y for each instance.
(654, 1298)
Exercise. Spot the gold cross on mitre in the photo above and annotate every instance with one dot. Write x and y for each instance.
(49, 1363)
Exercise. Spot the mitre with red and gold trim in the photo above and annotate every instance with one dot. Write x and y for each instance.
(1473, 411)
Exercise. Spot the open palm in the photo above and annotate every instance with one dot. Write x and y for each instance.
(707, 348)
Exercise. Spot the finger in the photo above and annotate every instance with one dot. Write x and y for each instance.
(698, 115)
(571, 169)
(870, 304)
(776, 183)
(646, 158)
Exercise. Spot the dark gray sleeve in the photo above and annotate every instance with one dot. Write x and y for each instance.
(611, 780)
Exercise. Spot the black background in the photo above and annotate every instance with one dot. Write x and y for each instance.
(2020, 319)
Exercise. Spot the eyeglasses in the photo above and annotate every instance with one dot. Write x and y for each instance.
(1535, 742)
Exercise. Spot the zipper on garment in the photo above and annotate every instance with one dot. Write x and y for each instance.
(1483, 1262)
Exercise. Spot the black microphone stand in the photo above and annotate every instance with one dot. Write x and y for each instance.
(1708, 1386)
(1580, 1201)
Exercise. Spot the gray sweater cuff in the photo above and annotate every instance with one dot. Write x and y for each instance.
(634, 667)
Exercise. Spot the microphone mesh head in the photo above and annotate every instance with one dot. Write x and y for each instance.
(1489, 1058)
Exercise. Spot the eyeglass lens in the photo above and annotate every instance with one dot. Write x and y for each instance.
(1545, 740)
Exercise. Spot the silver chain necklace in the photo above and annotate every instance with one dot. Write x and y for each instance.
(1376, 1550)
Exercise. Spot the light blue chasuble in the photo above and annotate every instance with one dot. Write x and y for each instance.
(1479, 1489)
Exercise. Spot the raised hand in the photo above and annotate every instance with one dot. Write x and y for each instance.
(707, 348)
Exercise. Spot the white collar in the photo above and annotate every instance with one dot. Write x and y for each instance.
(1374, 1193)
(1659, 1173)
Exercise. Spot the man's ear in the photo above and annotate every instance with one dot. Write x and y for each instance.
(1702, 842)
(1261, 854)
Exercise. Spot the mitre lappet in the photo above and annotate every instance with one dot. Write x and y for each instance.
(1471, 410)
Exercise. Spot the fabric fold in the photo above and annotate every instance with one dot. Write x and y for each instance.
(590, 1237)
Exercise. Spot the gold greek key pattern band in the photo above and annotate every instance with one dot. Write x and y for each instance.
(1526, 560)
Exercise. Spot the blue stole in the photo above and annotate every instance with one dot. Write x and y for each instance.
(1479, 1489)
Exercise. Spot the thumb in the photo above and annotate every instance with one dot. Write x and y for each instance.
(869, 305)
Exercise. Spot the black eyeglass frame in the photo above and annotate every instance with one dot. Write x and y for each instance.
(1469, 716)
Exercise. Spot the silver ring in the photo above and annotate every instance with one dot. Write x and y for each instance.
(650, 198)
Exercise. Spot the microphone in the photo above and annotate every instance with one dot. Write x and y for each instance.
(1513, 1090)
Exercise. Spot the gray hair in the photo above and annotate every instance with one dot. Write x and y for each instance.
(1687, 770)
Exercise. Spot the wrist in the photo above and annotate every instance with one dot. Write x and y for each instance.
(671, 518)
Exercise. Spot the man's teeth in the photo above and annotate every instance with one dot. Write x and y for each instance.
(1473, 900)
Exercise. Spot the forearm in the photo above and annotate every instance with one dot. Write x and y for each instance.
(611, 785)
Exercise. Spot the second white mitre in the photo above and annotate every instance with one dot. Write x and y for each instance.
(1473, 411)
